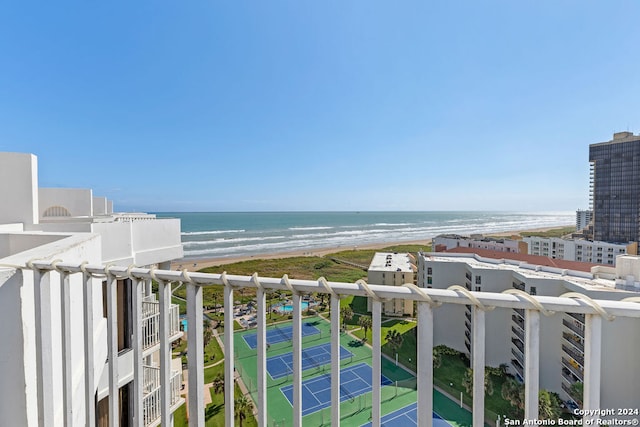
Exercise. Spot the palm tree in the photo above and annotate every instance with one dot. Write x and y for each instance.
(218, 385)
(214, 297)
(437, 358)
(395, 339)
(467, 382)
(365, 322)
(513, 392)
(347, 314)
(242, 406)
(548, 405)
(206, 336)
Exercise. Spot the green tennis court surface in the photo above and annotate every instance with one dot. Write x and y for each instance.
(400, 391)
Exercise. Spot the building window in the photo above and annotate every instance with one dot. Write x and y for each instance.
(429, 280)
(478, 289)
(533, 290)
(478, 280)
(429, 270)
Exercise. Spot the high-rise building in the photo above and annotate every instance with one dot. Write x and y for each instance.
(583, 218)
(615, 188)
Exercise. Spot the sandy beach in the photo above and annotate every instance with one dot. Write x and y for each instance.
(197, 264)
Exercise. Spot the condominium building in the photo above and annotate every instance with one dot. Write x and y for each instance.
(477, 241)
(562, 336)
(394, 269)
(579, 249)
(583, 219)
(76, 352)
(615, 188)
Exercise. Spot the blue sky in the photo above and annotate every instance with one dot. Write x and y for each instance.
(319, 105)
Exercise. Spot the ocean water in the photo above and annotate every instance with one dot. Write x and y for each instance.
(232, 234)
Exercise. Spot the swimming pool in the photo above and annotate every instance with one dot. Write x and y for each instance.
(287, 308)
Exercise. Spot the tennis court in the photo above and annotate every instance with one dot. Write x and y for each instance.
(312, 357)
(279, 334)
(316, 392)
(406, 417)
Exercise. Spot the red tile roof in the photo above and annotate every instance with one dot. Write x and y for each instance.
(530, 259)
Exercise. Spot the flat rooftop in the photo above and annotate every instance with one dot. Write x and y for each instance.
(392, 261)
(581, 278)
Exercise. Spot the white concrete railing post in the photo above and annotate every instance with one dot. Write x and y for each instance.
(138, 370)
(592, 363)
(531, 363)
(89, 377)
(112, 348)
(297, 361)
(67, 371)
(478, 363)
(335, 361)
(164, 291)
(261, 318)
(376, 362)
(195, 355)
(425, 364)
(44, 360)
(229, 380)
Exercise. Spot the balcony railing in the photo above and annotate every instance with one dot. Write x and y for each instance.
(577, 371)
(519, 333)
(426, 301)
(151, 322)
(518, 344)
(518, 320)
(573, 327)
(574, 354)
(574, 340)
(152, 397)
(517, 365)
(518, 355)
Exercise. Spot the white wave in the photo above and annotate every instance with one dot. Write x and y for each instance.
(201, 233)
(310, 228)
(227, 241)
(387, 224)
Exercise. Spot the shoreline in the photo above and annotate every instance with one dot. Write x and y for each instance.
(195, 264)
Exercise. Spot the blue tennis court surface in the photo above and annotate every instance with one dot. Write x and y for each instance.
(280, 334)
(312, 357)
(407, 417)
(316, 392)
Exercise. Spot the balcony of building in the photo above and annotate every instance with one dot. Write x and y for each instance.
(569, 376)
(574, 354)
(576, 327)
(151, 394)
(517, 364)
(154, 404)
(151, 324)
(518, 320)
(573, 366)
(519, 332)
(574, 340)
(577, 316)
